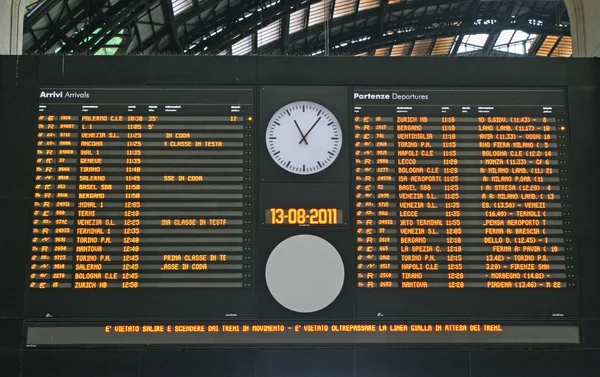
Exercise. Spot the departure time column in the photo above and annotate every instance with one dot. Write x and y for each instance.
(453, 229)
(133, 202)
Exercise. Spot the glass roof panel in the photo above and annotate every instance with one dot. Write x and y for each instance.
(318, 13)
(564, 49)
(421, 47)
(547, 46)
(180, 5)
(520, 36)
(399, 50)
(443, 46)
(475, 39)
(269, 33)
(343, 8)
(297, 20)
(367, 4)
(505, 37)
(383, 51)
(242, 47)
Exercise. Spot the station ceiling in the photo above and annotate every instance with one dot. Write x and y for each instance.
(302, 27)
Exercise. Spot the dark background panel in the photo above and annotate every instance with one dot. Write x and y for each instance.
(9, 363)
(135, 304)
(585, 134)
(27, 70)
(18, 113)
(428, 71)
(86, 70)
(173, 70)
(11, 332)
(197, 363)
(305, 363)
(14, 246)
(591, 333)
(146, 70)
(534, 363)
(86, 363)
(51, 69)
(411, 363)
(7, 69)
(584, 117)
(18, 70)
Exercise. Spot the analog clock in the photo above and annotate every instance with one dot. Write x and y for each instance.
(304, 137)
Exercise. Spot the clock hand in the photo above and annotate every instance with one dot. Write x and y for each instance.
(299, 130)
(306, 134)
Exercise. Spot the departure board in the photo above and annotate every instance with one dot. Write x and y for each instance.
(300, 215)
(462, 189)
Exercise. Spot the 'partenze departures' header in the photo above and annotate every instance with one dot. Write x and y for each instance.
(394, 96)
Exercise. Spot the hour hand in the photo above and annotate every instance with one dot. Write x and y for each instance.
(301, 134)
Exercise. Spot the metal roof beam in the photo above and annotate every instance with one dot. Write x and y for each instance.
(555, 46)
(411, 36)
(109, 31)
(181, 19)
(49, 38)
(426, 30)
(228, 18)
(40, 12)
(470, 17)
(505, 18)
(62, 35)
(535, 47)
(373, 12)
(167, 9)
(235, 31)
(457, 44)
(285, 32)
(118, 13)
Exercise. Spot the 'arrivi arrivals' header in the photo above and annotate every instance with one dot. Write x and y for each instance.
(62, 94)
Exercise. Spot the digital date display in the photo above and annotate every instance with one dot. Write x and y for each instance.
(304, 216)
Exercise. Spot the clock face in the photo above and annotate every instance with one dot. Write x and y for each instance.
(304, 137)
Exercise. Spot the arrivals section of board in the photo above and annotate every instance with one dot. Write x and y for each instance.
(462, 189)
(143, 188)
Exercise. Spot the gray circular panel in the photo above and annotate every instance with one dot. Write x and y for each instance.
(305, 273)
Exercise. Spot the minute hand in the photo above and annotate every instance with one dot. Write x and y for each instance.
(310, 129)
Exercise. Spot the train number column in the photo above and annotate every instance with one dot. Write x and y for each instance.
(387, 202)
(65, 199)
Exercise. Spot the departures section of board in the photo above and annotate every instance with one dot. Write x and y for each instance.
(461, 190)
(142, 189)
